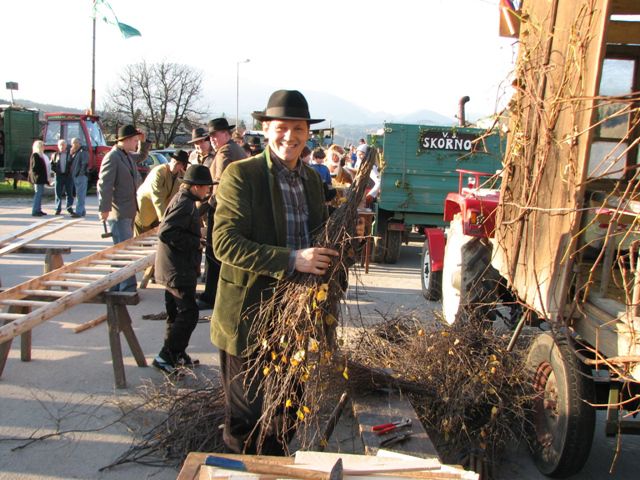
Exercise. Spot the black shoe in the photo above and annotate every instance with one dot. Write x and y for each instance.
(186, 361)
(58, 212)
(70, 210)
(38, 214)
(202, 305)
(163, 365)
(76, 215)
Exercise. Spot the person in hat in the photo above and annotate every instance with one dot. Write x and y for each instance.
(227, 151)
(117, 184)
(177, 267)
(268, 208)
(202, 153)
(157, 190)
(61, 166)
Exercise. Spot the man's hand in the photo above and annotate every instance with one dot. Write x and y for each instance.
(104, 216)
(314, 260)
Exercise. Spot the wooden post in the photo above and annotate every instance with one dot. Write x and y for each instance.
(5, 347)
(119, 320)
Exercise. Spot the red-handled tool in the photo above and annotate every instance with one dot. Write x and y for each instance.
(389, 427)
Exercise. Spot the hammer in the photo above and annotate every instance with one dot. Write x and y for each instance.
(106, 233)
(263, 466)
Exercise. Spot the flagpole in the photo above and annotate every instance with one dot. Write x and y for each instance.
(93, 69)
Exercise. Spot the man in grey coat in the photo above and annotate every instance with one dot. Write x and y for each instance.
(117, 185)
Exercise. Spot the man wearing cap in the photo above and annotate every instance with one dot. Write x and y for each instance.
(117, 184)
(202, 153)
(227, 151)
(157, 190)
(268, 209)
(177, 267)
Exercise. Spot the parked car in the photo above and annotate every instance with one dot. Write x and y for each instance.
(153, 160)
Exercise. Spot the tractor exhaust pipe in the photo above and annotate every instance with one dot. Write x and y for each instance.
(461, 117)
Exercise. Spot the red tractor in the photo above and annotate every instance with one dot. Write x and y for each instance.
(75, 125)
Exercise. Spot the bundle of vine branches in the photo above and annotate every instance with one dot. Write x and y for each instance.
(468, 390)
(190, 420)
(295, 329)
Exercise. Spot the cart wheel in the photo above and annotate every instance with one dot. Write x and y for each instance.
(563, 422)
(431, 281)
(394, 242)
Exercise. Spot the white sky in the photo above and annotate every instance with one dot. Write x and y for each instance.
(394, 56)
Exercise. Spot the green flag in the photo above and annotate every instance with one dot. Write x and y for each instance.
(103, 9)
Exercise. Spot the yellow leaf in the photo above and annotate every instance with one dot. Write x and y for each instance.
(420, 333)
(288, 403)
(284, 358)
(265, 345)
(306, 409)
(494, 411)
(330, 319)
(274, 355)
(456, 342)
(265, 371)
(345, 373)
(321, 295)
(300, 415)
(314, 346)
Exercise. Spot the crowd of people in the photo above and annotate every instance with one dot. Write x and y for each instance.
(252, 210)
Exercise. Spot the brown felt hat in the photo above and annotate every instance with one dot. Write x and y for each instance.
(286, 105)
(219, 124)
(198, 134)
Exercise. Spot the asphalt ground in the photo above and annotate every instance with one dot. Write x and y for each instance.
(69, 383)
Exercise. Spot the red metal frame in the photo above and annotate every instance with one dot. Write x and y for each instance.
(436, 241)
(476, 205)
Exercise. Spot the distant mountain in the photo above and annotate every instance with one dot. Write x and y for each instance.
(343, 112)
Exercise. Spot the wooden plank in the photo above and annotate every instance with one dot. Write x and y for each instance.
(43, 233)
(385, 407)
(29, 228)
(625, 7)
(623, 32)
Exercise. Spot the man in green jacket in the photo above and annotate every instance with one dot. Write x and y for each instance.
(268, 209)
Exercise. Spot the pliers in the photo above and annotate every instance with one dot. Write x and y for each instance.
(390, 427)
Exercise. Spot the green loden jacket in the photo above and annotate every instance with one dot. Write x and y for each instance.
(249, 239)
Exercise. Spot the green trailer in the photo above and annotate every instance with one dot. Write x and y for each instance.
(419, 170)
(19, 127)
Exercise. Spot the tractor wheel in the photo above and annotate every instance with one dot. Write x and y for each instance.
(563, 421)
(394, 242)
(431, 281)
(471, 287)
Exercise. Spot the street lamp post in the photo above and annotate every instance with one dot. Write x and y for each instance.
(238, 91)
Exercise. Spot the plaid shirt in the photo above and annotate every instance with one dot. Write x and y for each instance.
(296, 209)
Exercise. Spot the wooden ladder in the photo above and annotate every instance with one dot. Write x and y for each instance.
(86, 280)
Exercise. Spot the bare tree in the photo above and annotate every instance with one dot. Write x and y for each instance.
(159, 97)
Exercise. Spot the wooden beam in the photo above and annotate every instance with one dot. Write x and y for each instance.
(110, 262)
(29, 228)
(80, 276)
(625, 7)
(97, 268)
(623, 32)
(11, 316)
(90, 324)
(43, 233)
